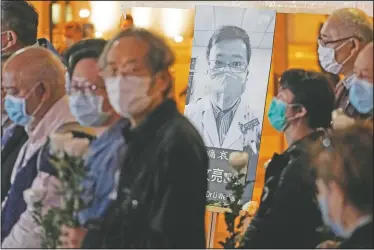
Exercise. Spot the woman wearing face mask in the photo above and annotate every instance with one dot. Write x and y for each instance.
(344, 176)
(288, 215)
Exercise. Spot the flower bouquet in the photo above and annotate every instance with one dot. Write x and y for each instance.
(67, 155)
(235, 218)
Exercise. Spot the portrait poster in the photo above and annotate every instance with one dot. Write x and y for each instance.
(227, 85)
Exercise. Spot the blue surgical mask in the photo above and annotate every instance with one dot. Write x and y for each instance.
(337, 228)
(16, 110)
(277, 114)
(88, 109)
(361, 95)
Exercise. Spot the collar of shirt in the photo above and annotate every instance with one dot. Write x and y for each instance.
(217, 110)
(58, 115)
(348, 81)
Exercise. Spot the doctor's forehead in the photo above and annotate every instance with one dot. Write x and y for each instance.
(228, 49)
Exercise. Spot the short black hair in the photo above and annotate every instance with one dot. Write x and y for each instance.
(129, 18)
(90, 48)
(228, 33)
(89, 44)
(314, 92)
(22, 18)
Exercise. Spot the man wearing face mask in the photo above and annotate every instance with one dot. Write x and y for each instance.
(288, 216)
(13, 136)
(19, 27)
(343, 162)
(361, 92)
(33, 79)
(164, 172)
(342, 37)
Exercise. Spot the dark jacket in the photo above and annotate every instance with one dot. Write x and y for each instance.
(288, 216)
(361, 238)
(162, 189)
(9, 156)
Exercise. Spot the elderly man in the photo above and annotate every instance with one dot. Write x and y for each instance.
(361, 92)
(342, 37)
(33, 79)
(161, 178)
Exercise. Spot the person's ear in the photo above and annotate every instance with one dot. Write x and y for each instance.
(301, 111)
(10, 38)
(44, 91)
(355, 45)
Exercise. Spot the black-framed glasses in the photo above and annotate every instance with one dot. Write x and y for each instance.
(324, 43)
(235, 67)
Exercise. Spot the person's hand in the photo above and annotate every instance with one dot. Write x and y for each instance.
(72, 237)
(328, 244)
(340, 120)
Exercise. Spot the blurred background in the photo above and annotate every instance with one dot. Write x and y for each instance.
(295, 46)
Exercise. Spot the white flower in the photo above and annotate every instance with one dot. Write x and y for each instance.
(238, 160)
(251, 207)
(58, 141)
(77, 147)
(31, 196)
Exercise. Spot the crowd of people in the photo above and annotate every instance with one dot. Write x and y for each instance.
(147, 164)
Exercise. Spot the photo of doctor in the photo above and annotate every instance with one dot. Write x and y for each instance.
(224, 117)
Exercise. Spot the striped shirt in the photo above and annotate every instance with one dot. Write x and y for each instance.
(224, 119)
(342, 101)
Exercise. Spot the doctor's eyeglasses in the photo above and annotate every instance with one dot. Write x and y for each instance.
(234, 67)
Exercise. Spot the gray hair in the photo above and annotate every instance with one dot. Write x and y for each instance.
(357, 21)
(159, 57)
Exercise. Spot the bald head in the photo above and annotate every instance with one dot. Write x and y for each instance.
(350, 22)
(35, 76)
(364, 64)
(32, 65)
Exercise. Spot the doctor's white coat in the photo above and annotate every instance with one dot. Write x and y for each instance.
(244, 132)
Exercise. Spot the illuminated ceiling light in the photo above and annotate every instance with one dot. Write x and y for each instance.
(141, 16)
(105, 15)
(98, 34)
(84, 13)
(173, 21)
(178, 39)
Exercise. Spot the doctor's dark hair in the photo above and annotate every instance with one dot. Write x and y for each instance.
(22, 18)
(94, 50)
(229, 33)
(160, 56)
(314, 92)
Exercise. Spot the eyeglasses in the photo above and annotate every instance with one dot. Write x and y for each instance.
(235, 67)
(324, 43)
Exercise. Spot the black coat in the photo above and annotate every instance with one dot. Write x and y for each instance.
(162, 190)
(9, 156)
(362, 238)
(288, 216)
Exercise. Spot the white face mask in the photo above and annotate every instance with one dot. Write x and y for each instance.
(226, 89)
(128, 95)
(327, 59)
